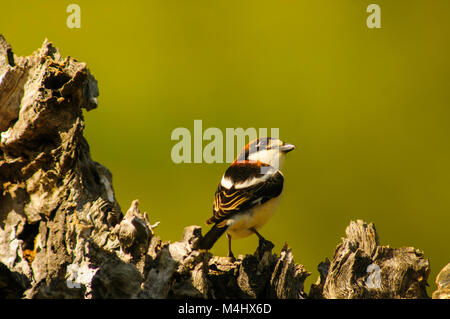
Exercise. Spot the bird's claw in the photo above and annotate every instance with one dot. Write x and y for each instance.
(264, 245)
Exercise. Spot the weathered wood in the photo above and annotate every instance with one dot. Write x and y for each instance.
(443, 284)
(63, 235)
(361, 268)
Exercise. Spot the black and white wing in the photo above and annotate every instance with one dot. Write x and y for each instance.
(244, 185)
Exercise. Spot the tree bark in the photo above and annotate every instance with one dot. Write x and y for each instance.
(361, 268)
(443, 284)
(63, 234)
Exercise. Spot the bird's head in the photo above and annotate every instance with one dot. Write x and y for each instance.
(267, 150)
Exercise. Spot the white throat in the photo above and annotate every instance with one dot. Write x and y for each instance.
(273, 157)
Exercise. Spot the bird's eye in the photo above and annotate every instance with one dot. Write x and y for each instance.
(262, 144)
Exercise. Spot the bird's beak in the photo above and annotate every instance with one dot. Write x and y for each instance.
(287, 148)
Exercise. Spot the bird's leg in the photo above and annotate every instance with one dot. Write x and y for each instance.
(264, 244)
(230, 253)
(261, 238)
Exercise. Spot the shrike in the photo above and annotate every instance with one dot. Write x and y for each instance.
(249, 192)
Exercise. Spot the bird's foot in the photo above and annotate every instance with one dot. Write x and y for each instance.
(264, 245)
(231, 256)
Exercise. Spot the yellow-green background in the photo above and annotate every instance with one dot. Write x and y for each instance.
(368, 109)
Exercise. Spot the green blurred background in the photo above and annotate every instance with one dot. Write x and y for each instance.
(368, 109)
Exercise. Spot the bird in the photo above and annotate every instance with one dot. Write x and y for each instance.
(248, 193)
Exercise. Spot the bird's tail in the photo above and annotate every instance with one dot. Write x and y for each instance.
(211, 237)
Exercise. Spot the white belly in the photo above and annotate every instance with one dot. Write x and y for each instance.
(256, 217)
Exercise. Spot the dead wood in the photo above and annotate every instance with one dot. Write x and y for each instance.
(63, 234)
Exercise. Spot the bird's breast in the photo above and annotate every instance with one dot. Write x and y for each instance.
(256, 217)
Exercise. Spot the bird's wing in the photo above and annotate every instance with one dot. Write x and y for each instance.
(243, 186)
